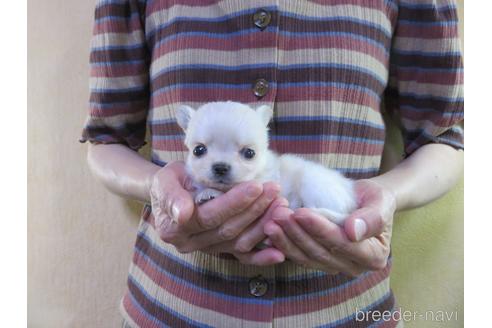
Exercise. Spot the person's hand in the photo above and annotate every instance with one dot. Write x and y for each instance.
(362, 244)
(225, 224)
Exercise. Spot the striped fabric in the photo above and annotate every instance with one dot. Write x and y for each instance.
(329, 65)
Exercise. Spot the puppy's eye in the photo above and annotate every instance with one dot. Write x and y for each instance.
(199, 150)
(248, 153)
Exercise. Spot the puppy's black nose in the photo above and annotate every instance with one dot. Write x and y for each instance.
(221, 169)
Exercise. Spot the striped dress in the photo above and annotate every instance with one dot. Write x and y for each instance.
(326, 67)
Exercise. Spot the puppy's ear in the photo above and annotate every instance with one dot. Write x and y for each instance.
(265, 112)
(183, 115)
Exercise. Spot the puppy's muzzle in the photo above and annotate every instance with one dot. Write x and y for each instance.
(221, 169)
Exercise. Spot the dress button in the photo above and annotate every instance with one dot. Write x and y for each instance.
(258, 286)
(260, 87)
(262, 18)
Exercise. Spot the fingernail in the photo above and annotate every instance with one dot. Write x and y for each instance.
(276, 187)
(174, 213)
(252, 190)
(269, 229)
(360, 229)
(283, 202)
(271, 195)
(280, 258)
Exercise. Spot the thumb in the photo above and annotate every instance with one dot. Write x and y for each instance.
(364, 223)
(168, 195)
(181, 205)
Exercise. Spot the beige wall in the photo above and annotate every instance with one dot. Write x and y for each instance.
(80, 237)
(428, 252)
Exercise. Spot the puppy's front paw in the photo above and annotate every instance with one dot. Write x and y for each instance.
(207, 194)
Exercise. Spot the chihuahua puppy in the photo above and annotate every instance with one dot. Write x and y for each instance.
(228, 144)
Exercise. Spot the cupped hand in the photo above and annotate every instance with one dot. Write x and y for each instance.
(231, 223)
(362, 244)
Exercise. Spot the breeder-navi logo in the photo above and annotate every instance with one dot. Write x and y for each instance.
(405, 315)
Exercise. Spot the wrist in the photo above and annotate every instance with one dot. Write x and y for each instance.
(390, 192)
(149, 182)
(155, 174)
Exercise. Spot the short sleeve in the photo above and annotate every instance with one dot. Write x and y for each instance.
(119, 75)
(425, 89)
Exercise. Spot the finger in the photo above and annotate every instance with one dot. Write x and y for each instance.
(254, 234)
(371, 253)
(179, 170)
(315, 251)
(215, 212)
(236, 224)
(364, 223)
(328, 234)
(224, 247)
(287, 247)
(169, 196)
(170, 233)
(167, 228)
(320, 228)
(265, 257)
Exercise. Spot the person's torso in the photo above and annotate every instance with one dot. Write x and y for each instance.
(322, 65)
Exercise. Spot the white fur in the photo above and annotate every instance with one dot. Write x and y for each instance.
(226, 128)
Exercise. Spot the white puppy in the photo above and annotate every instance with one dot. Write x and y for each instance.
(228, 144)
